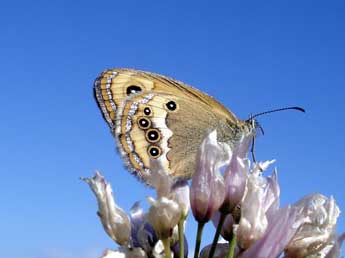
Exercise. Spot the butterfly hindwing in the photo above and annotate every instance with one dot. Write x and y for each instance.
(164, 127)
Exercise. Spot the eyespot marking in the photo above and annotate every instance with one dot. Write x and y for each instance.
(154, 151)
(144, 123)
(147, 111)
(133, 89)
(171, 105)
(153, 135)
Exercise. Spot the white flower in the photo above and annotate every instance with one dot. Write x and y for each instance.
(164, 214)
(260, 194)
(125, 252)
(316, 235)
(114, 220)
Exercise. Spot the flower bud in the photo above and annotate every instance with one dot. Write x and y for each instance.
(164, 214)
(207, 190)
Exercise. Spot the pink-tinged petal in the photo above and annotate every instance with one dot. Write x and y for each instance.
(317, 232)
(114, 220)
(260, 194)
(272, 193)
(235, 177)
(180, 193)
(335, 251)
(227, 229)
(207, 190)
(281, 228)
(164, 214)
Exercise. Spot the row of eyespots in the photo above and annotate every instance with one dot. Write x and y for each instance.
(152, 135)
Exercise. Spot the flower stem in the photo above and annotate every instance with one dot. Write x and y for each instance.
(232, 246)
(216, 236)
(167, 250)
(198, 239)
(181, 238)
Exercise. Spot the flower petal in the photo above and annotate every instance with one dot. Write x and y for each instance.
(142, 234)
(164, 214)
(280, 230)
(114, 220)
(207, 190)
(316, 233)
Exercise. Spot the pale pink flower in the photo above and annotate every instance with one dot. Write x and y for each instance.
(207, 190)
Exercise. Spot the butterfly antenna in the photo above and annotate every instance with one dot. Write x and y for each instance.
(277, 110)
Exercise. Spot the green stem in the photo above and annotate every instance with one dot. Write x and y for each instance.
(198, 239)
(167, 250)
(181, 238)
(232, 246)
(216, 236)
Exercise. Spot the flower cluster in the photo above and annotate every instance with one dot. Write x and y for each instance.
(242, 203)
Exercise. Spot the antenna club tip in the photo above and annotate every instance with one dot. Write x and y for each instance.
(300, 109)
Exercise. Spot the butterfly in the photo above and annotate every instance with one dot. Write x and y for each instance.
(154, 117)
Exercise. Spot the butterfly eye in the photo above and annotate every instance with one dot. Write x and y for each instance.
(154, 151)
(147, 111)
(171, 105)
(152, 135)
(144, 123)
(133, 89)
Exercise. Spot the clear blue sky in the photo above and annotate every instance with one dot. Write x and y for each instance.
(250, 55)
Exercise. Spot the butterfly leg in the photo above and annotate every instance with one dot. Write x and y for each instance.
(252, 151)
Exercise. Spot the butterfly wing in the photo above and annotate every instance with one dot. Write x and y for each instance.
(155, 117)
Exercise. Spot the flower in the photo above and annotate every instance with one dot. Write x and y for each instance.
(245, 203)
(317, 231)
(334, 252)
(235, 181)
(207, 190)
(281, 228)
(260, 194)
(164, 214)
(180, 193)
(125, 252)
(114, 220)
(236, 175)
(142, 234)
(159, 179)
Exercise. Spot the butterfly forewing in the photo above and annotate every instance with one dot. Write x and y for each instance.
(156, 117)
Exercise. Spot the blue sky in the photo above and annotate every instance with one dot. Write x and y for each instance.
(252, 56)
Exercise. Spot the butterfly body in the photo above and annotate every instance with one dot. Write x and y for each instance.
(156, 117)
